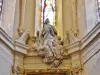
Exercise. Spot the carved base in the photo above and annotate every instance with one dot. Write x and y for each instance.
(47, 71)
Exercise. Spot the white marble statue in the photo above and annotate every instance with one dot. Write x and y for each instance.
(48, 33)
(48, 45)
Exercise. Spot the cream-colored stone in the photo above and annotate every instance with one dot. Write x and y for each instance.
(33, 60)
(82, 57)
(29, 17)
(34, 63)
(37, 17)
(59, 23)
(91, 14)
(6, 59)
(8, 16)
(81, 16)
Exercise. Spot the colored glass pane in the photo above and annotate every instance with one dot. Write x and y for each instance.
(1, 3)
(48, 11)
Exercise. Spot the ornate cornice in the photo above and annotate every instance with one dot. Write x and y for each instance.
(14, 45)
(93, 34)
(74, 47)
(6, 39)
(6, 55)
(81, 44)
(77, 46)
(21, 47)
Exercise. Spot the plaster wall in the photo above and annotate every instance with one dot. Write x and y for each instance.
(91, 14)
(16, 20)
(6, 60)
(91, 58)
(93, 65)
(8, 16)
(81, 18)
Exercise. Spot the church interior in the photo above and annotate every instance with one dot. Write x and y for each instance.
(49, 37)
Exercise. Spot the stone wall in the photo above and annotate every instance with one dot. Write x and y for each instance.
(8, 16)
(11, 54)
(6, 60)
(91, 58)
(91, 14)
(34, 62)
(92, 66)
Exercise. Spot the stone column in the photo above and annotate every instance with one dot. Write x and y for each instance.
(74, 13)
(67, 18)
(59, 24)
(18, 64)
(22, 9)
(76, 63)
(29, 17)
(19, 17)
(37, 16)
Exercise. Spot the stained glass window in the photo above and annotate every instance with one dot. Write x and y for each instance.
(1, 3)
(48, 11)
(99, 7)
